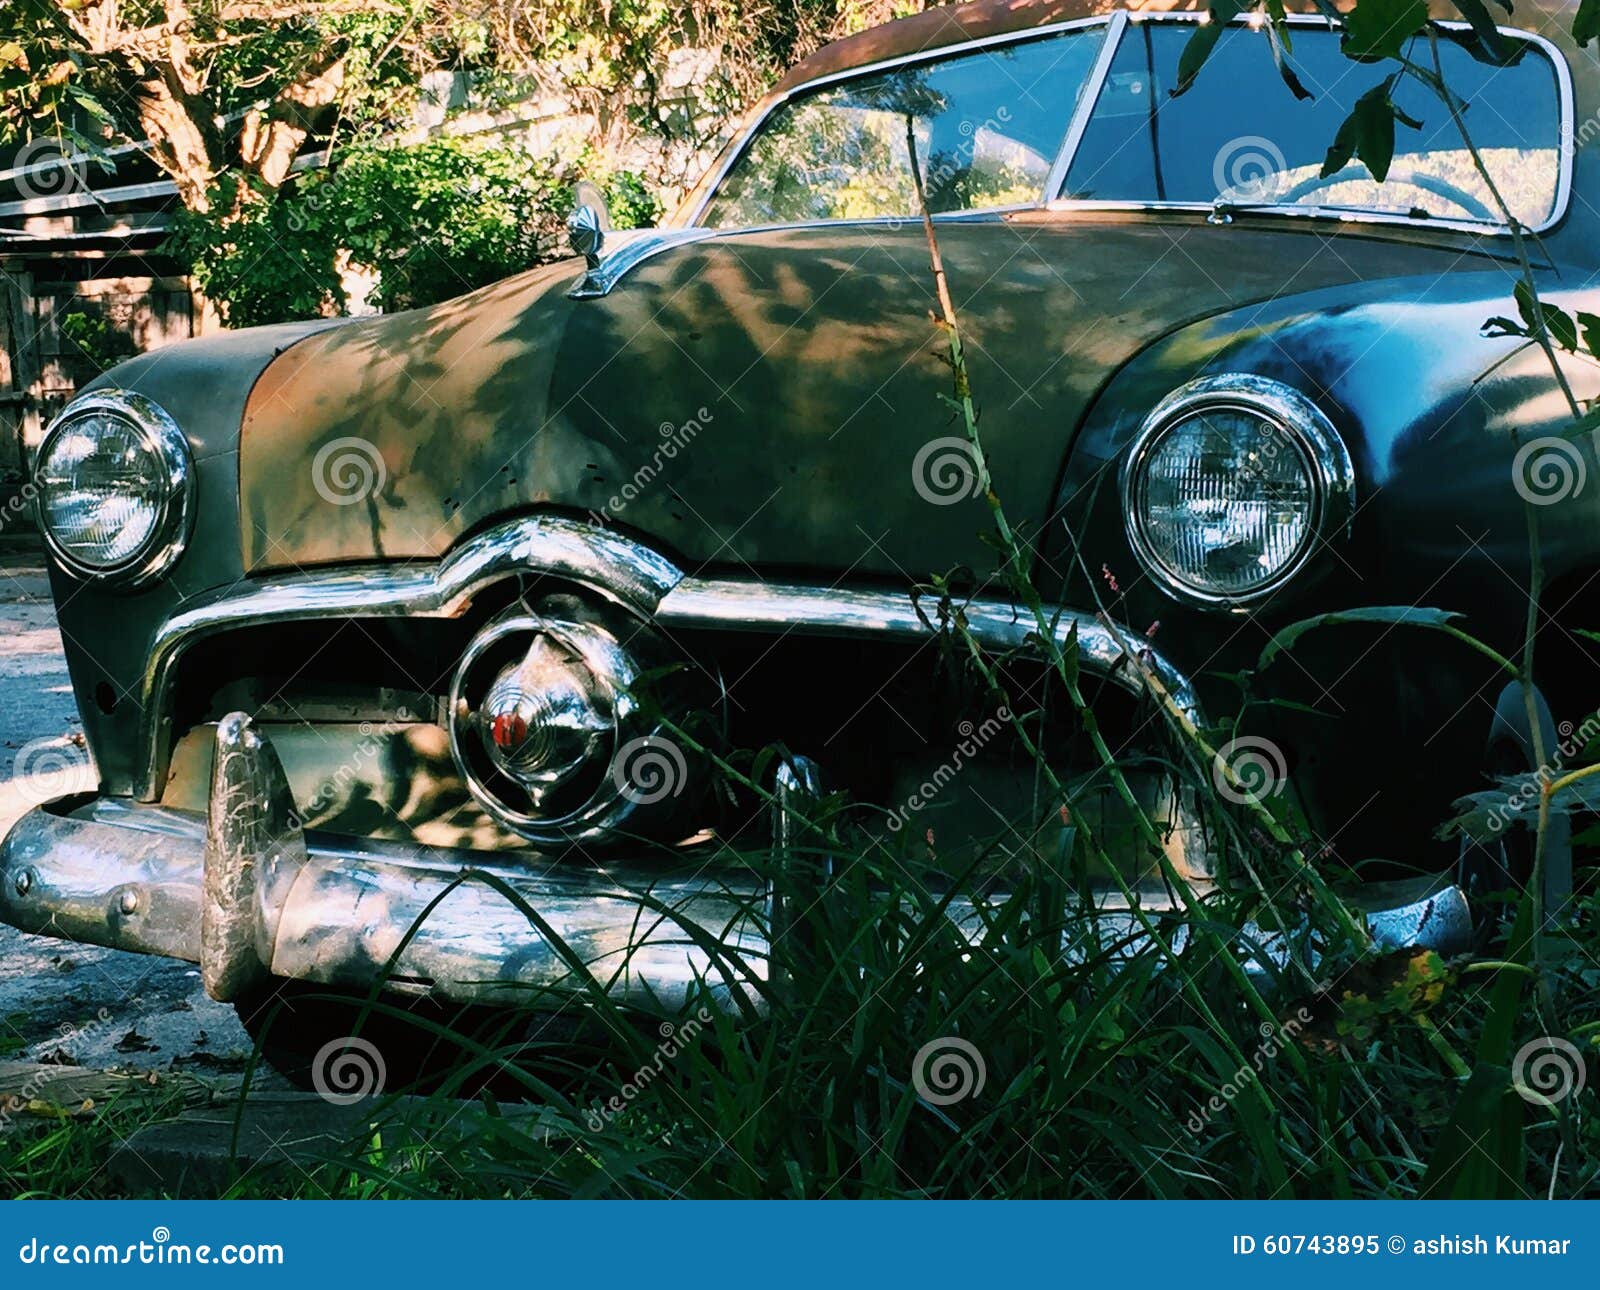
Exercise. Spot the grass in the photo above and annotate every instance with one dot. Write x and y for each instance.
(883, 1052)
(1100, 1078)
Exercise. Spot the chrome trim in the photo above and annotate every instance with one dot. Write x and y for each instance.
(340, 910)
(1320, 444)
(867, 69)
(586, 230)
(1103, 647)
(628, 573)
(1564, 175)
(612, 803)
(1087, 101)
(605, 272)
(631, 575)
(171, 533)
(600, 281)
(334, 910)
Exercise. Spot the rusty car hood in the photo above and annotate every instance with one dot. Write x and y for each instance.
(758, 400)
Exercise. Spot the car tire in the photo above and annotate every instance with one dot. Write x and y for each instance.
(334, 1042)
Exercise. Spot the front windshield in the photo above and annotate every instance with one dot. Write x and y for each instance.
(987, 127)
(1239, 135)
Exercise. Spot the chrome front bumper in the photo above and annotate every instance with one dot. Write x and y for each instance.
(249, 897)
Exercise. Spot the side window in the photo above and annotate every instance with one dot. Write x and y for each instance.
(986, 127)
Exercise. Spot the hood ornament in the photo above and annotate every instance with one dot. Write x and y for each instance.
(588, 224)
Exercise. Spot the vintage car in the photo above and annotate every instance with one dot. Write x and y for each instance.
(502, 587)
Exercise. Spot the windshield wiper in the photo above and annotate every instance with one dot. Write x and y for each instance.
(1223, 211)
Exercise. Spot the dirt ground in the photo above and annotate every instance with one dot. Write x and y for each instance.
(94, 1007)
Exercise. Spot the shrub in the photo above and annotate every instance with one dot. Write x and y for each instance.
(431, 220)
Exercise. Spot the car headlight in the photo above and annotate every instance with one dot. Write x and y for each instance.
(116, 488)
(1230, 485)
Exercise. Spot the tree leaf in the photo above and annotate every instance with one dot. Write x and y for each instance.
(1586, 25)
(1199, 45)
(1557, 321)
(1367, 133)
(1476, 12)
(1285, 70)
(1389, 615)
(1591, 332)
(1378, 29)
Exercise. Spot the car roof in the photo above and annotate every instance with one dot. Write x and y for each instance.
(954, 24)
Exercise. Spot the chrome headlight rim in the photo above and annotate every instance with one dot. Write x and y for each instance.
(170, 447)
(1306, 429)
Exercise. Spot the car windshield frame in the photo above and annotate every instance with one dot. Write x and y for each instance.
(1118, 24)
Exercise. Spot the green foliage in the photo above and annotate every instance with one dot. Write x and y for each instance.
(1379, 29)
(255, 258)
(431, 220)
(66, 71)
(95, 339)
(437, 218)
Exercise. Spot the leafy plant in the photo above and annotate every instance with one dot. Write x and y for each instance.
(430, 220)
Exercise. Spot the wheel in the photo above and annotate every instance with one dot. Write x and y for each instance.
(338, 1045)
(332, 1042)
